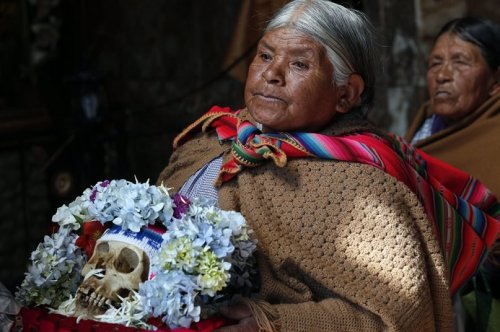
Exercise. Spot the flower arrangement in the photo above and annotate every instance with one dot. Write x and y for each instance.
(206, 254)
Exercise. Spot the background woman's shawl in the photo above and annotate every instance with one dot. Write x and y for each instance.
(465, 215)
(471, 144)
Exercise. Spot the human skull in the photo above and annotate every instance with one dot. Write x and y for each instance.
(123, 267)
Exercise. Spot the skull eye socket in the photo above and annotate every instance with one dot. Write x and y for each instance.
(102, 249)
(127, 261)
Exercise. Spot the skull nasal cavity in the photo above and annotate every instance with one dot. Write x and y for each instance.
(127, 261)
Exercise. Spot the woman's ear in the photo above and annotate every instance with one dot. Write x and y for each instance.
(350, 95)
(495, 88)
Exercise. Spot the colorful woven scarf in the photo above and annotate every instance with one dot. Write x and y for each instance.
(465, 215)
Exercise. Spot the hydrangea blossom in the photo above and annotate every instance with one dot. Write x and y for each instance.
(171, 296)
(130, 205)
(204, 250)
(55, 271)
(72, 215)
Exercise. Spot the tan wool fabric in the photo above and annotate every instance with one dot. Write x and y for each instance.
(472, 144)
(341, 246)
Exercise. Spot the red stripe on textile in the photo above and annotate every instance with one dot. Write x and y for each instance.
(472, 250)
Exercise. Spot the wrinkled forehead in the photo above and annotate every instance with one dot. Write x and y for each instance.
(291, 41)
(452, 44)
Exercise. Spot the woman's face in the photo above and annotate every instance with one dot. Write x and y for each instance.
(290, 83)
(458, 77)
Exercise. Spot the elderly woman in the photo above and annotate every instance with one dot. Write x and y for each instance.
(346, 240)
(460, 123)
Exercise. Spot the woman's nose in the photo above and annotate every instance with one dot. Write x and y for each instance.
(444, 73)
(274, 73)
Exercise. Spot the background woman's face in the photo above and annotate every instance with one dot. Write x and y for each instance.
(458, 77)
(290, 83)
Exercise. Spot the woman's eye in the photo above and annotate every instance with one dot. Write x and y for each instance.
(461, 62)
(265, 56)
(300, 65)
(433, 64)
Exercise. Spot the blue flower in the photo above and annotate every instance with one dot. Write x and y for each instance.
(171, 296)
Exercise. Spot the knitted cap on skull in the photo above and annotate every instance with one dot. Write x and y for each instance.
(149, 239)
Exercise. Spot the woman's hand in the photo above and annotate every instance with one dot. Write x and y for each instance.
(246, 322)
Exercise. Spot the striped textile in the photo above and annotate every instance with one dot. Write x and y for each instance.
(201, 184)
(465, 214)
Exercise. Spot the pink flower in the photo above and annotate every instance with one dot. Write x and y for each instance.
(103, 184)
(181, 205)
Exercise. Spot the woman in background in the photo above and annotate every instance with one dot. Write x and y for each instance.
(460, 124)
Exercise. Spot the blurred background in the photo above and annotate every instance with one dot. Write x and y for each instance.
(97, 89)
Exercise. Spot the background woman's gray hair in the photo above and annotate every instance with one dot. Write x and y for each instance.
(347, 35)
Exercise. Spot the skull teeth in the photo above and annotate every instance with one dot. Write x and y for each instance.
(93, 301)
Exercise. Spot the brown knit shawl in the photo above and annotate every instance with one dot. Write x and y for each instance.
(341, 246)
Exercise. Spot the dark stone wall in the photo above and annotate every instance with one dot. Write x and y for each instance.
(23, 209)
(400, 82)
(156, 60)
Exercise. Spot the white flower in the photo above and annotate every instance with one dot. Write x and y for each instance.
(64, 216)
(74, 214)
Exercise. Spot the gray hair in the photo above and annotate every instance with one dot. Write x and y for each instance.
(346, 34)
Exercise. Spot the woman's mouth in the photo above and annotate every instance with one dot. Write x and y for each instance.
(269, 98)
(442, 94)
